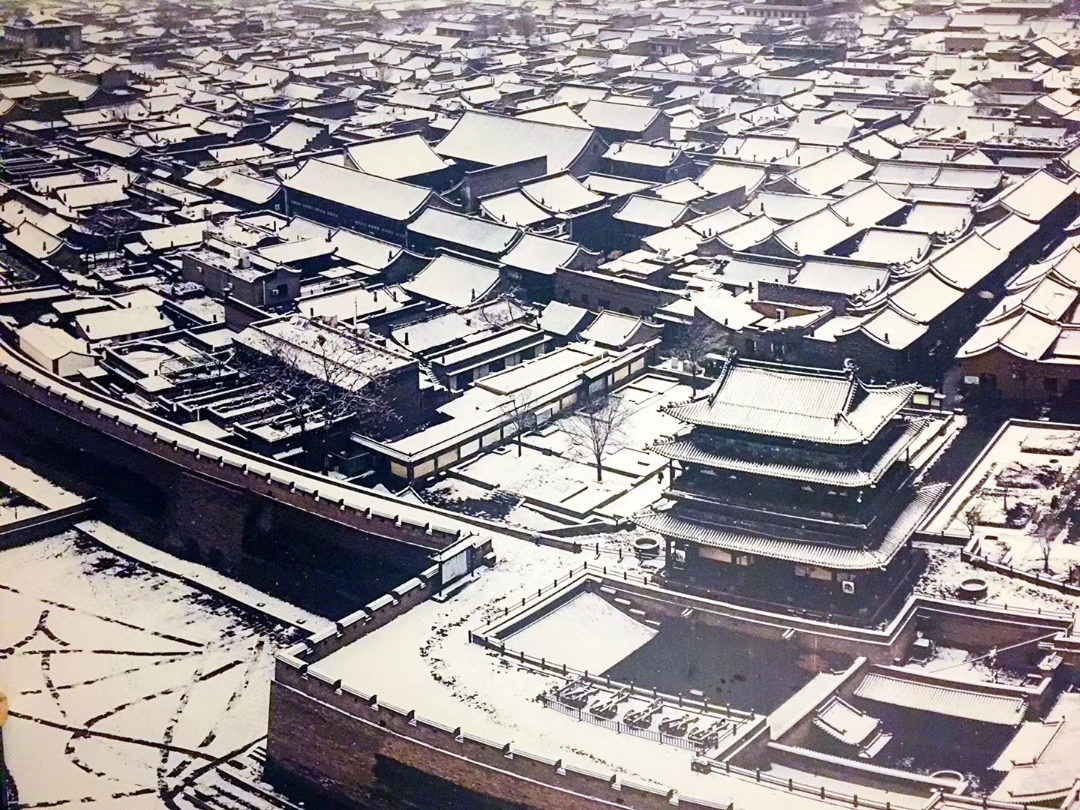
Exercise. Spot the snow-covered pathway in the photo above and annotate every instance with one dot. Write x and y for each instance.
(122, 681)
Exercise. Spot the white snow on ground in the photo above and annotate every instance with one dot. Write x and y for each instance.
(34, 487)
(525, 518)
(13, 508)
(423, 661)
(647, 492)
(1022, 551)
(587, 633)
(946, 571)
(550, 471)
(961, 665)
(201, 575)
(1009, 474)
(546, 479)
(94, 645)
(644, 425)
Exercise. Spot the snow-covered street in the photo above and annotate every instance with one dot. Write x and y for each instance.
(123, 682)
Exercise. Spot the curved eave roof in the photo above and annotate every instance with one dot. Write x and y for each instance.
(837, 558)
(684, 449)
(834, 424)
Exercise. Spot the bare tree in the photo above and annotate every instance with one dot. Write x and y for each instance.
(922, 87)
(695, 342)
(972, 519)
(501, 27)
(511, 306)
(376, 22)
(321, 384)
(524, 24)
(1046, 542)
(984, 94)
(597, 427)
(383, 74)
(519, 410)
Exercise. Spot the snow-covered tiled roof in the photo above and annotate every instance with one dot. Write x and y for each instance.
(795, 403)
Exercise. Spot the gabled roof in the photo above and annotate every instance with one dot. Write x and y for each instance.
(396, 158)
(651, 212)
(843, 722)
(924, 298)
(540, 254)
(942, 698)
(829, 173)
(562, 319)
(811, 405)
(34, 241)
(931, 218)
(1065, 266)
(560, 193)
(982, 178)
(622, 117)
(454, 281)
(112, 147)
(892, 329)
(890, 246)
(356, 248)
(514, 208)
(643, 154)
(174, 236)
(495, 140)
(721, 178)
(1024, 335)
(838, 221)
(360, 191)
(240, 152)
(469, 232)
(294, 136)
(966, 263)
(559, 114)
(612, 330)
(256, 190)
(1034, 197)
(1049, 299)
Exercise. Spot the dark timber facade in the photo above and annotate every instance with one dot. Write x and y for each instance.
(796, 482)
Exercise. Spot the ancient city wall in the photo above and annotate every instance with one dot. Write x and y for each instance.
(207, 482)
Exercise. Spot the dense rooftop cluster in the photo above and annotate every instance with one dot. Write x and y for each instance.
(722, 295)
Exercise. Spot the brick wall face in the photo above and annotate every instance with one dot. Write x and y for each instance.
(334, 754)
(188, 502)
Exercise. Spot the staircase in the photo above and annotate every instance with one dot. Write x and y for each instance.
(233, 785)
